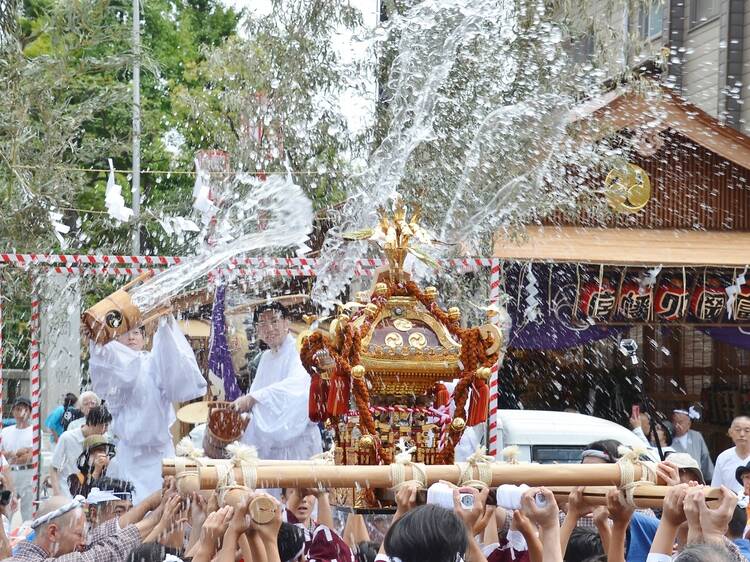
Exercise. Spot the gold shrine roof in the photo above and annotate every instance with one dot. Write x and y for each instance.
(406, 349)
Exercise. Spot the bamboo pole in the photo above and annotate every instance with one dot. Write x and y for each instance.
(380, 476)
(178, 465)
(645, 496)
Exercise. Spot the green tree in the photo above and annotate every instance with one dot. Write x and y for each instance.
(272, 97)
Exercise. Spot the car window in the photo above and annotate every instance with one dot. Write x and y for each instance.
(561, 454)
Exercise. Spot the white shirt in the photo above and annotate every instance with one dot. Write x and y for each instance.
(727, 464)
(279, 424)
(14, 439)
(76, 424)
(139, 388)
(67, 451)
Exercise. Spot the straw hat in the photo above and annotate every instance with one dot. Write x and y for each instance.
(193, 413)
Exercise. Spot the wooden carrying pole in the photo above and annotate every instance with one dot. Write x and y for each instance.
(178, 465)
(381, 476)
(646, 496)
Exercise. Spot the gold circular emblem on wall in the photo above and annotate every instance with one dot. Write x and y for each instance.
(417, 340)
(394, 339)
(402, 324)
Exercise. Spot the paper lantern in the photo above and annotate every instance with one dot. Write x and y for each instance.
(597, 301)
(709, 301)
(671, 300)
(741, 305)
(632, 304)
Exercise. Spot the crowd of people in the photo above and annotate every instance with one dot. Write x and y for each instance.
(108, 526)
(109, 503)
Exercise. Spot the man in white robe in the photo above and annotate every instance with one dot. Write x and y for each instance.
(139, 388)
(279, 427)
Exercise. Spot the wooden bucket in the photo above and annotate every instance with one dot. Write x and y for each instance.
(114, 315)
(225, 425)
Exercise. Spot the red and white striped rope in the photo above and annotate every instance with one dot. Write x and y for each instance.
(25, 260)
(88, 259)
(443, 417)
(35, 391)
(493, 432)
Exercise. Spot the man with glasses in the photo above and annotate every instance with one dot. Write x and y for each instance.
(730, 460)
(279, 427)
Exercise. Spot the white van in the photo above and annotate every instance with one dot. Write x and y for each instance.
(556, 437)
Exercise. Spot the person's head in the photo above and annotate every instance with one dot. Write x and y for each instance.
(272, 323)
(704, 553)
(690, 470)
(21, 410)
(683, 419)
(737, 523)
(742, 474)
(65, 533)
(366, 551)
(69, 400)
(135, 339)
(665, 433)
(87, 401)
(300, 503)
(601, 452)
(739, 431)
(98, 420)
(290, 542)
(584, 543)
(428, 532)
(95, 447)
(103, 511)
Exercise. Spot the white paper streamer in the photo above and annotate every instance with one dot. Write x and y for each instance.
(113, 199)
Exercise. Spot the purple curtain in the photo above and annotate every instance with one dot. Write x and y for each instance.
(219, 358)
(731, 336)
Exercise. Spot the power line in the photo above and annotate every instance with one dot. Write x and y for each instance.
(175, 172)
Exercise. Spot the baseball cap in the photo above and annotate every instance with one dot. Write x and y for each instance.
(22, 401)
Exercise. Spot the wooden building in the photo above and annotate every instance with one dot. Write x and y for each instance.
(697, 222)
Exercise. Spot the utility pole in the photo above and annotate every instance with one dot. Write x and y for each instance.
(136, 241)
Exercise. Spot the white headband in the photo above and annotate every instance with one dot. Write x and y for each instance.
(691, 412)
(597, 454)
(77, 502)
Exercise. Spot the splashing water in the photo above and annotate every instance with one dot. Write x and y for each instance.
(268, 215)
(479, 130)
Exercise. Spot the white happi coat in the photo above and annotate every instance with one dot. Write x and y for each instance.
(279, 427)
(139, 389)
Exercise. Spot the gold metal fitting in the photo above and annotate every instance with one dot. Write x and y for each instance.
(358, 372)
(371, 310)
(366, 442)
(454, 313)
(484, 373)
(458, 424)
(431, 293)
(309, 318)
(381, 289)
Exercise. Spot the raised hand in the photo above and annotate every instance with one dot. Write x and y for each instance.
(668, 472)
(545, 514)
(471, 516)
